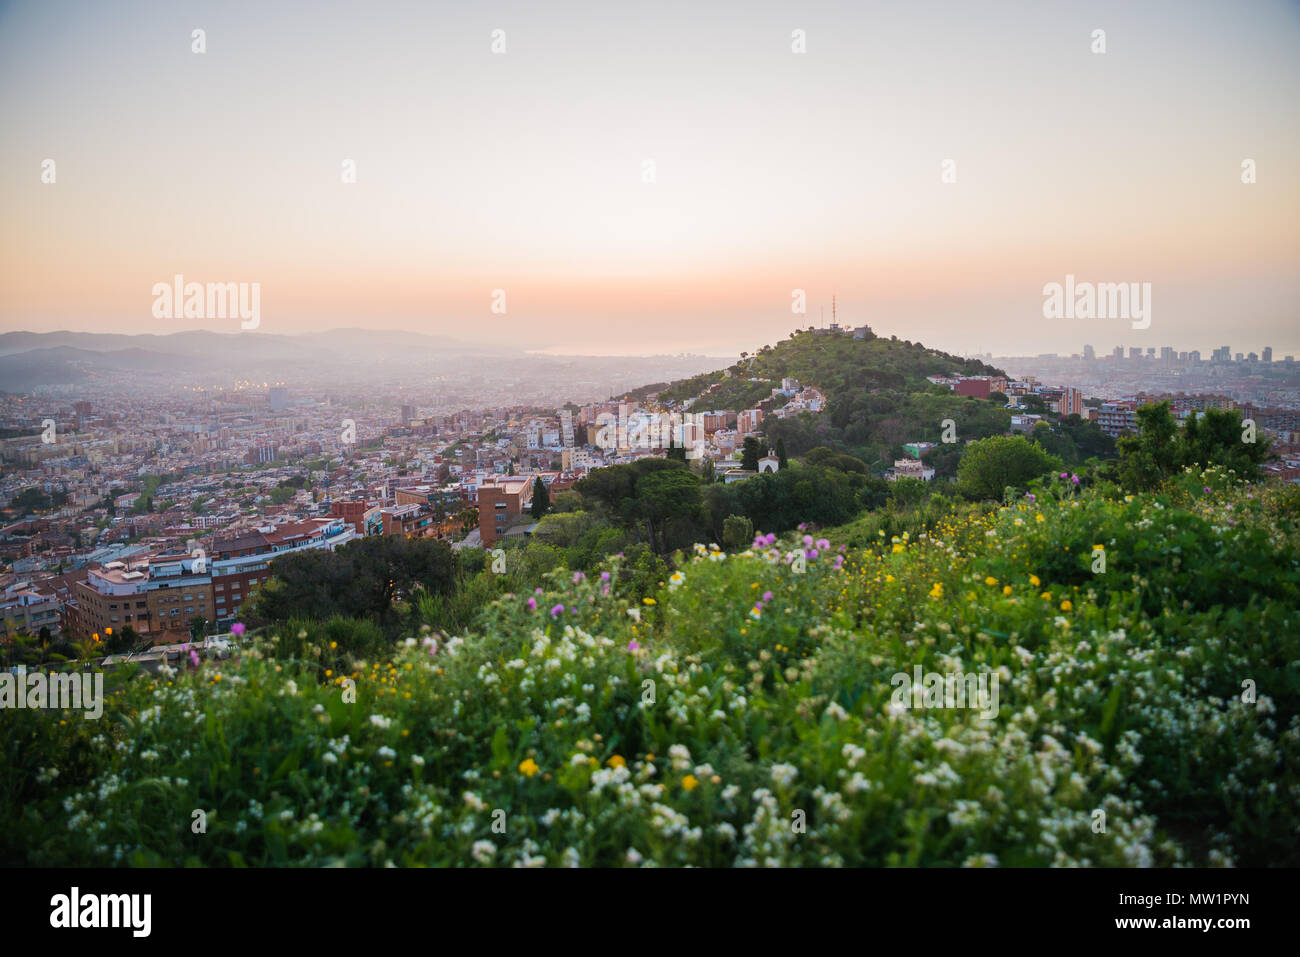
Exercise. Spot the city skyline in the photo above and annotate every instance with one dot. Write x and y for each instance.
(773, 175)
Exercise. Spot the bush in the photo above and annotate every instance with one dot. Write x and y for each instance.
(737, 532)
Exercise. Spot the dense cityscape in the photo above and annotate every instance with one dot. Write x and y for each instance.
(158, 515)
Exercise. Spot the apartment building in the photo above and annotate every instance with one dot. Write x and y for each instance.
(242, 563)
(749, 422)
(25, 611)
(1116, 418)
(500, 503)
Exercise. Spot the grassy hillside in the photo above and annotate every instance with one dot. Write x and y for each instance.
(1148, 712)
(877, 396)
(837, 364)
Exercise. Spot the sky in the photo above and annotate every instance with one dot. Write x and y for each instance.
(660, 177)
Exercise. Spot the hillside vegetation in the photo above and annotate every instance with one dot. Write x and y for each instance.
(743, 713)
(877, 395)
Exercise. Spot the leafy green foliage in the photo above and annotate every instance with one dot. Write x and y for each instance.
(683, 717)
(992, 465)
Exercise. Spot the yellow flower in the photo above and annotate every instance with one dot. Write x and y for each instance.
(648, 601)
(1046, 595)
(528, 767)
(889, 578)
(990, 580)
(1099, 548)
(1033, 580)
(1067, 605)
(334, 644)
(937, 590)
(898, 548)
(690, 782)
(616, 761)
(1006, 589)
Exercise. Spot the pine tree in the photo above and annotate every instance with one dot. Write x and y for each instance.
(541, 498)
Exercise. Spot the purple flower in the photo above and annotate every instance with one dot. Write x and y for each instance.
(770, 538)
(632, 646)
(1207, 490)
(578, 576)
(1065, 475)
(537, 591)
(802, 526)
(758, 606)
(1075, 478)
(555, 612)
(532, 603)
(194, 657)
(237, 629)
(767, 596)
(1031, 496)
(823, 543)
(812, 553)
(807, 540)
(604, 576)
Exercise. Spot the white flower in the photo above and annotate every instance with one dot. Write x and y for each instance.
(681, 757)
(835, 711)
(632, 856)
(784, 774)
(379, 721)
(484, 851)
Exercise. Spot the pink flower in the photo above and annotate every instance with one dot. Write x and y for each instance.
(767, 596)
(555, 612)
(632, 646)
(1075, 478)
(532, 603)
(194, 657)
(237, 629)
(823, 543)
(604, 576)
(578, 576)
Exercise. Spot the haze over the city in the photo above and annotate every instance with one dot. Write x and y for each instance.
(526, 170)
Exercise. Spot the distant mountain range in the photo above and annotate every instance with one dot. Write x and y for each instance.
(35, 360)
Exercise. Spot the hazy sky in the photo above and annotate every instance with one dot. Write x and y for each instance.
(773, 171)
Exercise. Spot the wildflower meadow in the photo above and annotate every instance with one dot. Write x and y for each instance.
(1145, 651)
